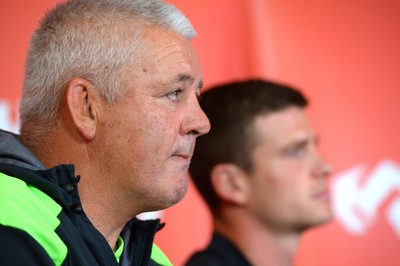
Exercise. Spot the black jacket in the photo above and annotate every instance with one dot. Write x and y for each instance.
(220, 252)
(85, 244)
(82, 243)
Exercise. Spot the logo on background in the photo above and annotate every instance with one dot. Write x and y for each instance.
(6, 122)
(356, 204)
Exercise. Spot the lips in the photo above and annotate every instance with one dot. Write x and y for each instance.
(183, 155)
(322, 194)
(184, 152)
(181, 161)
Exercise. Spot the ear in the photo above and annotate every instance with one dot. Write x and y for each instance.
(82, 104)
(230, 183)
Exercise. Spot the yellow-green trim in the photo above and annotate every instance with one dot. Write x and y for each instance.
(158, 256)
(120, 248)
(28, 209)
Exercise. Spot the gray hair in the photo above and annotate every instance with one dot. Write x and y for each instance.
(93, 39)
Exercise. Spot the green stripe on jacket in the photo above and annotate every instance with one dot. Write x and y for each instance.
(26, 208)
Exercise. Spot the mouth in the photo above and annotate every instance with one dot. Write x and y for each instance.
(181, 162)
(184, 153)
(183, 158)
(322, 194)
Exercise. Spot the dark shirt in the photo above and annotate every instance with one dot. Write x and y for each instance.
(220, 252)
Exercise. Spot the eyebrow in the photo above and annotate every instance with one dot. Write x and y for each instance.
(302, 142)
(313, 140)
(185, 77)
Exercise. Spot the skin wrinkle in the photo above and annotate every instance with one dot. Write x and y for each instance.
(88, 158)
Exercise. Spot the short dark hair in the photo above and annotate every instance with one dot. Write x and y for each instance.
(231, 109)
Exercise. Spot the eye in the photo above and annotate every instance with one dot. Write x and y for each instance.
(174, 96)
(296, 151)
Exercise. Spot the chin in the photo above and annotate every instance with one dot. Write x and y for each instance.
(316, 218)
(180, 193)
(322, 212)
(175, 196)
(324, 218)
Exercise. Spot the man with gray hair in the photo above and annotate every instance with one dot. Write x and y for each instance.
(109, 119)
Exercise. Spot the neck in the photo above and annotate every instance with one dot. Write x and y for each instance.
(100, 208)
(96, 191)
(259, 244)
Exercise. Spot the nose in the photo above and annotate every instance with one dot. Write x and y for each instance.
(196, 122)
(324, 169)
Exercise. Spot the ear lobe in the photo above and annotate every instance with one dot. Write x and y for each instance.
(230, 183)
(81, 103)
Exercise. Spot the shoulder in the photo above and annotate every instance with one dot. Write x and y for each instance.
(205, 258)
(19, 248)
(219, 252)
(29, 218)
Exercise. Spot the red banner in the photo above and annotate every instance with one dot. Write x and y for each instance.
(344, 55)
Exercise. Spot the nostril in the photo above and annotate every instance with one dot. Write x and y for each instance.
(194, 132)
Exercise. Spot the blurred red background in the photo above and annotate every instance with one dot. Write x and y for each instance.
(344, 55)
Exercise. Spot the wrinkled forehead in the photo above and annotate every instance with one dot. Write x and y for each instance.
(161, 42)
(166, 55)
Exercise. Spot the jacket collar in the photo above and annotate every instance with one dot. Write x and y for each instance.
(14, 152)
(60, 183)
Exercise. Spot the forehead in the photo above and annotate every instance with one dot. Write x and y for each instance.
(166, 55)
(284, 126)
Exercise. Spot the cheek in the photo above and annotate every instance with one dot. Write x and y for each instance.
(159, 126)
(282, 179)
(154, 133)
(292, 170)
